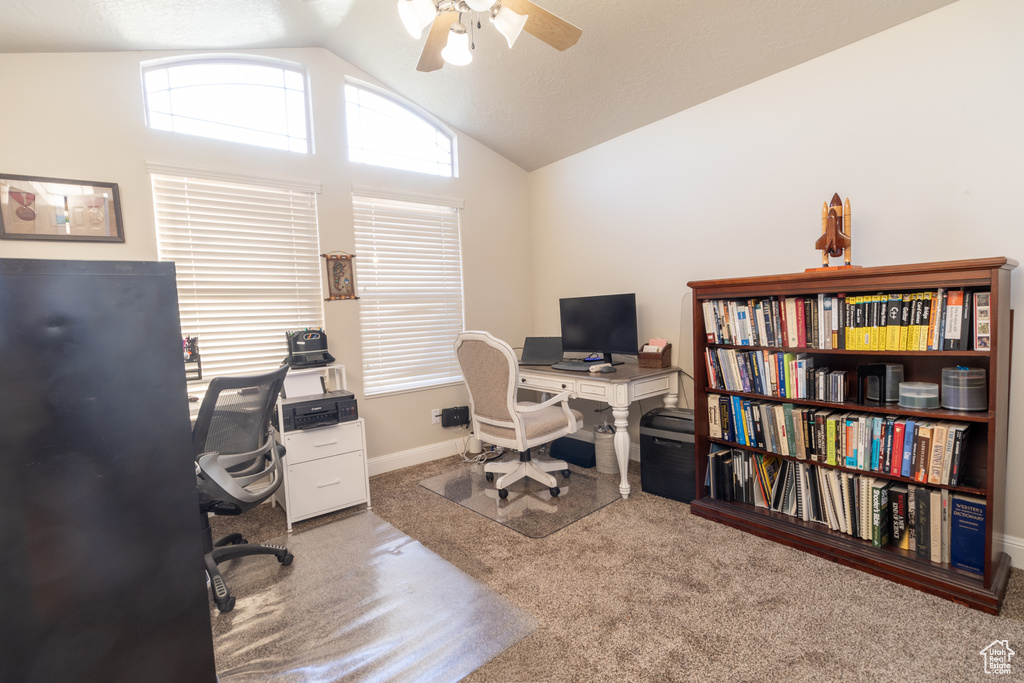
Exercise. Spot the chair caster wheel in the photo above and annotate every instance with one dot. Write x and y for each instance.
(554, 491)
(227, 606)
(566, 473)
(286, 560)
(489, 476)
(503, 493)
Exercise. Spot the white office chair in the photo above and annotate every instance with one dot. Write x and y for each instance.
(491, 371)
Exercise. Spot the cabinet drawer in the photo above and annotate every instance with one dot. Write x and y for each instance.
(319, 486)
(312, 444)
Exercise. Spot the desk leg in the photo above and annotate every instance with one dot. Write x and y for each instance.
(622, 447)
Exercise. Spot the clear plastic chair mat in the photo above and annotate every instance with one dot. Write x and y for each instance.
(361, 602)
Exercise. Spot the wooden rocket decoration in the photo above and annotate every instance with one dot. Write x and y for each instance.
(836, 231)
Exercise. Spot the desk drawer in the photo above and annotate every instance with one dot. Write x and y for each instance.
(596, 391)
(554, 385)
(311, 444)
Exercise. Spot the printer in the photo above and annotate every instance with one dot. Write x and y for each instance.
(318, 410)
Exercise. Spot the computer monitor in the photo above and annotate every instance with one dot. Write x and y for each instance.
(599, 324)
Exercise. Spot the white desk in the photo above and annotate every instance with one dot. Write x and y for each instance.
(618, 389)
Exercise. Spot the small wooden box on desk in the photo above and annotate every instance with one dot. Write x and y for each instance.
(325, 468)
(984, 465)
(657, 359)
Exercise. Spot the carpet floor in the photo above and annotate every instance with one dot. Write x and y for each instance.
(644, 591)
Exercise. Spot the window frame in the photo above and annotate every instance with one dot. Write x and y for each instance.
(413, 110)
(257, 60)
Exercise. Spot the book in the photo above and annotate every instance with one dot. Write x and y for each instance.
(910, 431)
(935, 520)
(922, 451)
(911, 518)
(959, 445)
(905, 321)
(922, 524)
(714, 417)
(880, 523)
(968, 519)
(900, 534)
(944, 501)
(953, 316)
(940, 432)
(899, 429)
(894, 305)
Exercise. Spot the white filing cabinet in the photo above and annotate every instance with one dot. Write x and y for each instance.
(325, 467)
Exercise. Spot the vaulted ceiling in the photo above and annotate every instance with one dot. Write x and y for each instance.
(636, 63)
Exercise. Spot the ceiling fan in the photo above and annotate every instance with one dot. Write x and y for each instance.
(448, 39)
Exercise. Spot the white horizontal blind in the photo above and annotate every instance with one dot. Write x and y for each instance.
(409, 273)
(248, 267)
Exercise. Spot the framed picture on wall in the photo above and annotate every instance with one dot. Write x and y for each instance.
(33, 208)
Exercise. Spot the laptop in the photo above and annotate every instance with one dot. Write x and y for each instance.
(541, 351)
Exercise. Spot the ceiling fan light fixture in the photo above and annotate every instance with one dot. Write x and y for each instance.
(456, 51)
(416, 15)
(480, 5)
(509, 24)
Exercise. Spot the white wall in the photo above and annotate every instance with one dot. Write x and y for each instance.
(922, 126)
(81, 116)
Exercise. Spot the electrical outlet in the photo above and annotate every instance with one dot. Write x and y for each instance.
(435, 416)
(453, 417)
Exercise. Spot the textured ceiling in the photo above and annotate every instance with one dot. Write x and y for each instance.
(636, 63)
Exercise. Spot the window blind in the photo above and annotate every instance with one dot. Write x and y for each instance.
(248, 267)
(409, 269)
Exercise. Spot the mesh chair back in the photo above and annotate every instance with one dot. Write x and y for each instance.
(236, 411)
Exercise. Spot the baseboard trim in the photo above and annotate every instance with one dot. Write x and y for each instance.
(414, 456)
(1014, 547)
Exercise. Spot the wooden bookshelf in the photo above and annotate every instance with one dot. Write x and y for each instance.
(985, 458)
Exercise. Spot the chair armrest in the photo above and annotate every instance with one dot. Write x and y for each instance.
(564, 396)
(563, 399)
(214, 470)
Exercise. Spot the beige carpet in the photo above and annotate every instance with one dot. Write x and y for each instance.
(643, 591)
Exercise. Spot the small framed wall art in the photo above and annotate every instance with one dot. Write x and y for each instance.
(33, 208)
(341, 276)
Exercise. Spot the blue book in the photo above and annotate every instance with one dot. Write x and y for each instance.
(908, 446)
(967, 533)
(737, 418)
(748, 423)
(876, 442)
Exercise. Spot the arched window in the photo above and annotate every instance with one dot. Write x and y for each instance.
(239, 99)
(385, 132)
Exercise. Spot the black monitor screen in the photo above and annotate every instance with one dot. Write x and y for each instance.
(601, 324)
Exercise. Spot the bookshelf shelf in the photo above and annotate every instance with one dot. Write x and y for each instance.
(983, 454)
(873, 407)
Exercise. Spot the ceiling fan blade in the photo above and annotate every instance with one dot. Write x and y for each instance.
(430, 58)
(553, 30)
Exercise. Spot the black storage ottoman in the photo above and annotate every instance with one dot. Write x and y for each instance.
(667, 466)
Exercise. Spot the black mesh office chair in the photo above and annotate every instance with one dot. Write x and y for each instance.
(238, 465)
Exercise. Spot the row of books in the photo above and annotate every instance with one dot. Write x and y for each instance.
(930, 452)
(939, 320)
(770, 373)
(935, 524)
